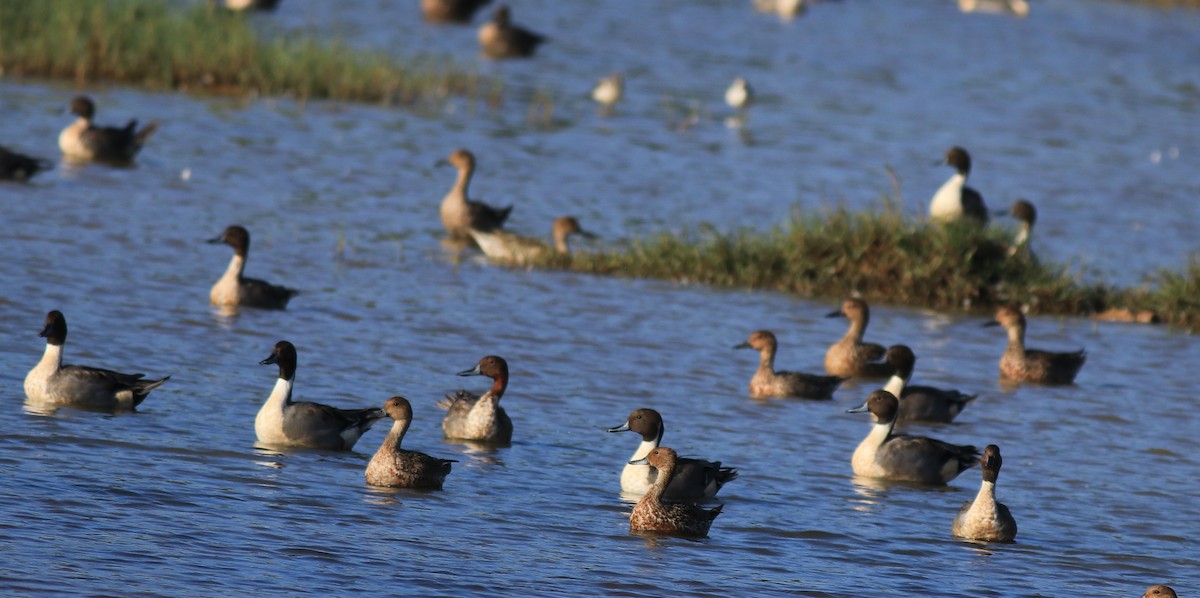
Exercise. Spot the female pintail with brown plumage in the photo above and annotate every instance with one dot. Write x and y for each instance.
(459, 213)
(394, 467)
(1159, 591)
(284, 423)
(984, 519)
(1031, 365)
(850, 357)
(694, 479)
(510, 248)
(83, 140)
(920, 403)
(451, 11)
(233, 289)
(769, 383)
(1025, 213)
(53, 384)
(500, 38)
(955, 200)
(651, 514)
(886, 455)
(480, 418)
(19, 167)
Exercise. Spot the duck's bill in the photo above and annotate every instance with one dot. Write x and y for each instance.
(621, 428)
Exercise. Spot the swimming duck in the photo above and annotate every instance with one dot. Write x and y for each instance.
(500, 38)
(955, 200)
(480, 418)
(651, 514)
(608, 91)
(694, 479)
(784, 9)
(1026, 214)
(84, 140)
(984, 519)
(284, 423)
(1030, 365)
(233, 289)
(459, 213)
(886, 455)
(503, 246)
(395, 467)
(1016, 8)
(52, 383)
(739, 96)
(19, 167)
(920, 403)
(850, 357)
(769, 383)
(451, 11)
(1159, 591)
(245, 5)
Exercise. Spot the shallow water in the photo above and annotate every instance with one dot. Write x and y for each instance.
(1069, 108)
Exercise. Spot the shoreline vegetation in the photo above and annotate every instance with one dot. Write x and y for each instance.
(889, 259)
(149, 44)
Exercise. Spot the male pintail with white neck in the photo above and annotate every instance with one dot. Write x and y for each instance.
(886, 455)
(920, 403)
(955, 200)
(83, 140)
(694, 479)
(234, 289)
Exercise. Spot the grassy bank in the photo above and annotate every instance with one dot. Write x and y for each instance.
(888, 259)
(149, 44)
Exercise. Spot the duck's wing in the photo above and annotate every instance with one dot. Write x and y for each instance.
(810, 386)
(260, 293)
(94, 377)
(872, 351)
(485, 217)
(926, 403)
(314, 420)
(19, 167)
(460, 402)
(110, 142)
(925, 459)
(697, 479)
(973, 206)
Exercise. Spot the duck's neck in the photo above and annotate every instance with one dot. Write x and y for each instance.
(51, 358)
(499, 384)
(462, 183)
(236, 266)
(645, 447)
(766, 360)
(661, 481)
(282, 393)
(880, 432)
(858, 327)
(895, 384)
(1016, 339)
(987, 493)
(1023, 234)
(560, 242)
(396, 435)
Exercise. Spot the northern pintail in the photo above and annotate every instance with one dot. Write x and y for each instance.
(984, 519)
(480, 418)
(54, 384)
(1159, 591)
(1031, 365)
(769, 383)
(784, 9)
(920, 403)
(850, 357)
(84, 140)
(608, 91)
(694, 479)
(284, 423)
(955, 200)
(233, 289)
(451, 11)
(500, 38)
(245, 5)
(1025, 213)
(19, 167)
(739, 96)
(459, 213)
(886, 455)
(395, 467)
(651, 514)
(1017, 8)
(503, 246)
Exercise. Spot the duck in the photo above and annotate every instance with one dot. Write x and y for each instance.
(503, 246)
(739, 96)
(83, 140)
(54, 384)
(233, 289)
(19, 167)
(955, 200)
(920, 403)
(694, 479)
(984, 519)
(608, 91)
(284, 423)
(652, 514)
(1031, 365)
(500, 38)
(1016, 8)
(480, 418)
(769, 383)
(1025, 213)
(460, 214)
(850, 357)
(886, 455)
(451, 11)
(394, 467)
(1159, 591)
(245, 5)
(784, 9)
